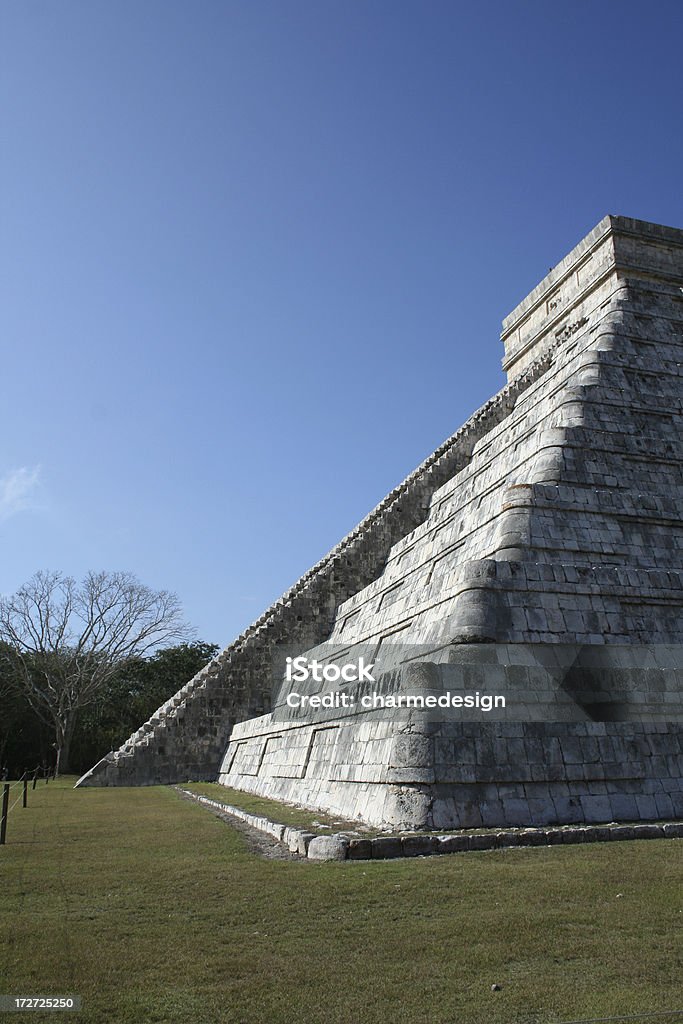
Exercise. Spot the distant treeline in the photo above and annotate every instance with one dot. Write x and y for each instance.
(138, 688)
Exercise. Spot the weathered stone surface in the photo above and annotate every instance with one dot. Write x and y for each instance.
(507, 839)
(532, 838)
(328, 848)
(303, 842)
(412, 846)
(600, 834)
(572, 835)
(360, 849)
(386, 846)
(417, 846)
(538, 552)
(553, 836)
(453, 844)
(647, 832)
(622, 832)
(484, 841)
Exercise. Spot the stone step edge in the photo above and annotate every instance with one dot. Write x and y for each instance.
(340, 846)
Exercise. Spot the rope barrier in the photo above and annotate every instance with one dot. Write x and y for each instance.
(15, 802)
(7, 788)
(27, 773)
(22, 777)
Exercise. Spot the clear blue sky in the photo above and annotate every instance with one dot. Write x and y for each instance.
(255, 256)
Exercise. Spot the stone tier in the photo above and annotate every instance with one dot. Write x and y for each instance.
(552, 516)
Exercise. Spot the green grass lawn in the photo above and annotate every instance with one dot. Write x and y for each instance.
(152, 909)
(285, 814)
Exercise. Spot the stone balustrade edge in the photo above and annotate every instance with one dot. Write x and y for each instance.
(340, 846)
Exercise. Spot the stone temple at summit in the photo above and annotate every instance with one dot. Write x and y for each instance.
(536, 554)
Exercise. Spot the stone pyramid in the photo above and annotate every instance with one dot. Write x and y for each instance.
(537, 554)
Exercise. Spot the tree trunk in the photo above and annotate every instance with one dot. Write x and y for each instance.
(64, 730)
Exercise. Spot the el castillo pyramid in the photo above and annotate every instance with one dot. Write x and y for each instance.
(536, 555)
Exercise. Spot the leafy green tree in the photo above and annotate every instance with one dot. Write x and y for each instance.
(65, 642)
(25, 741)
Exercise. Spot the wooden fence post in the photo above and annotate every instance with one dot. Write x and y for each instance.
(5, 807)
(25, 791)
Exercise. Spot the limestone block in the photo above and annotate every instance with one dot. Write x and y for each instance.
(516, 811)
(385, 847)
(417, 846)
(406, 807)
(453, 844)
(507, 839)
(572, 835)
(624, 807)
(553, 836)
(647, 832)
(622, 832)
(412, 749)
(664, 805)
(492, 812)
(483, 841)
(596, 807)
(328, 848)
(677, 797)
(647, 807)
(532, 837)
(360, 849)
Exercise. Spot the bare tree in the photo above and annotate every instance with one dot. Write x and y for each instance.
(67, 640)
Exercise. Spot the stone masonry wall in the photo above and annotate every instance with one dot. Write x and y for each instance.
(552, 515)
(186, 737)
(543, 760)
